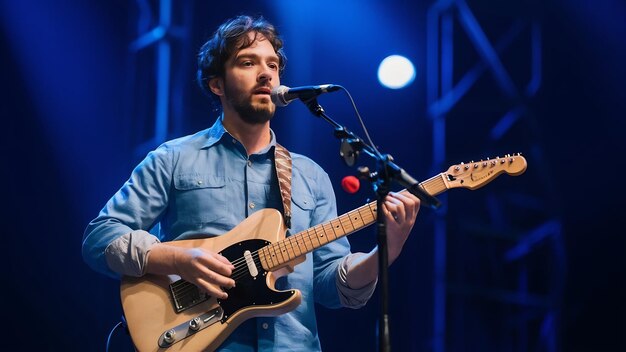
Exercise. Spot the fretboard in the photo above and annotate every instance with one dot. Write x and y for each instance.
(280, 253)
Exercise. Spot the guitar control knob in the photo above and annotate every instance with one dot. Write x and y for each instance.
(195, 324)
(169, 336)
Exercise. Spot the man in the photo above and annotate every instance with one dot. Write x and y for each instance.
(207, 183)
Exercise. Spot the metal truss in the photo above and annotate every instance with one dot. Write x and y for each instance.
(518, 242)
(156, 61)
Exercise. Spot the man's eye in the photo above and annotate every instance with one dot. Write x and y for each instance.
(247, 63)
(273, 66)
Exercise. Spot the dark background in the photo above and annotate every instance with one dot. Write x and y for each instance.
(78, 110)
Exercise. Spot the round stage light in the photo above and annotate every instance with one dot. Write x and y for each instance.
(396, 72)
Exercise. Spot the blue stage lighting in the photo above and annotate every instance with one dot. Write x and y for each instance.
(396, 72)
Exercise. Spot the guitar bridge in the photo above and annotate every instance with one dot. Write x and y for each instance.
(188, 328)
(186, 295)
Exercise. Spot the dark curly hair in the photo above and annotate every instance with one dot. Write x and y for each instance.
(227, 40)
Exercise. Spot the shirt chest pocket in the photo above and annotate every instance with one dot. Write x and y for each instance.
(302, 206)
(303, 201)
(200, 198)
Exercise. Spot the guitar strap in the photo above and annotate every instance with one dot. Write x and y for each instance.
(282, 161)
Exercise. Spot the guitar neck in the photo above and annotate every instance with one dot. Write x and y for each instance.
(280, 253)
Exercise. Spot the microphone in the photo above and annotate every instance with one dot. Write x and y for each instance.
(283, 95)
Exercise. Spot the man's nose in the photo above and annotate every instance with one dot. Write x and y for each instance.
(265, 75)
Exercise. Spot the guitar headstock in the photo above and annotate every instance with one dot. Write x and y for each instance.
(476, 174)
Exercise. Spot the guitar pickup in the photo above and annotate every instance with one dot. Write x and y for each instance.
(252, 269)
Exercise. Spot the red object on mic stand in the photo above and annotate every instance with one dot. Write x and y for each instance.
(350, 184)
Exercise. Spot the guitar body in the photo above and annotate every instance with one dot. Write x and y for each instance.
(148, 301)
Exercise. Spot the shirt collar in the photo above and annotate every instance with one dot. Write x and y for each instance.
(216, 132)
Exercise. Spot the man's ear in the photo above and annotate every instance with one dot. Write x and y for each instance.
(216, 85)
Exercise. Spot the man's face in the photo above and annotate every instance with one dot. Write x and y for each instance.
(249, 77)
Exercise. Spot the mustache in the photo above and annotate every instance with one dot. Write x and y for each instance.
(262, 88)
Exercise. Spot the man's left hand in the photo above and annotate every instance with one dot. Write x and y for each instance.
(400, 212)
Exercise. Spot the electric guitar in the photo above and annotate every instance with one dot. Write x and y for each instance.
(168, 313)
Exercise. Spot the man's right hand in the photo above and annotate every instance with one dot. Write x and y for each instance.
(208, 270)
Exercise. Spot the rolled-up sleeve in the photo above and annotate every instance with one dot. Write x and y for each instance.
(117, 242)
(350, 297)
(128, 253)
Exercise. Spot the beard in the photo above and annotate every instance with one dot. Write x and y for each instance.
(242, 104)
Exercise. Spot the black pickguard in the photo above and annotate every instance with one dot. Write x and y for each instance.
(248, 290)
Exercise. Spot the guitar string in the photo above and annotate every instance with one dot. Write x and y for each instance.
(239, 273)
(299, 239)
(189, 289)
(241, 266)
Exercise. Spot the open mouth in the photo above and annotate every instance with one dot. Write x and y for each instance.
(263, 91)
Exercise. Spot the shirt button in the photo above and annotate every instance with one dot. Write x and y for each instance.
(251, 205)
(265, 326)
(199, 182)
(234, 141)
(250, 163)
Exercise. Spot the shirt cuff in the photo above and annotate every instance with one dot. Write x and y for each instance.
(350, 297)
(128, 254)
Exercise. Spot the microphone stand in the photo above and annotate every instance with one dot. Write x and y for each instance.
(351, 147)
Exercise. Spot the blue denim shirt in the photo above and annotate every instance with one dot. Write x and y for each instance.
(204, 185)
